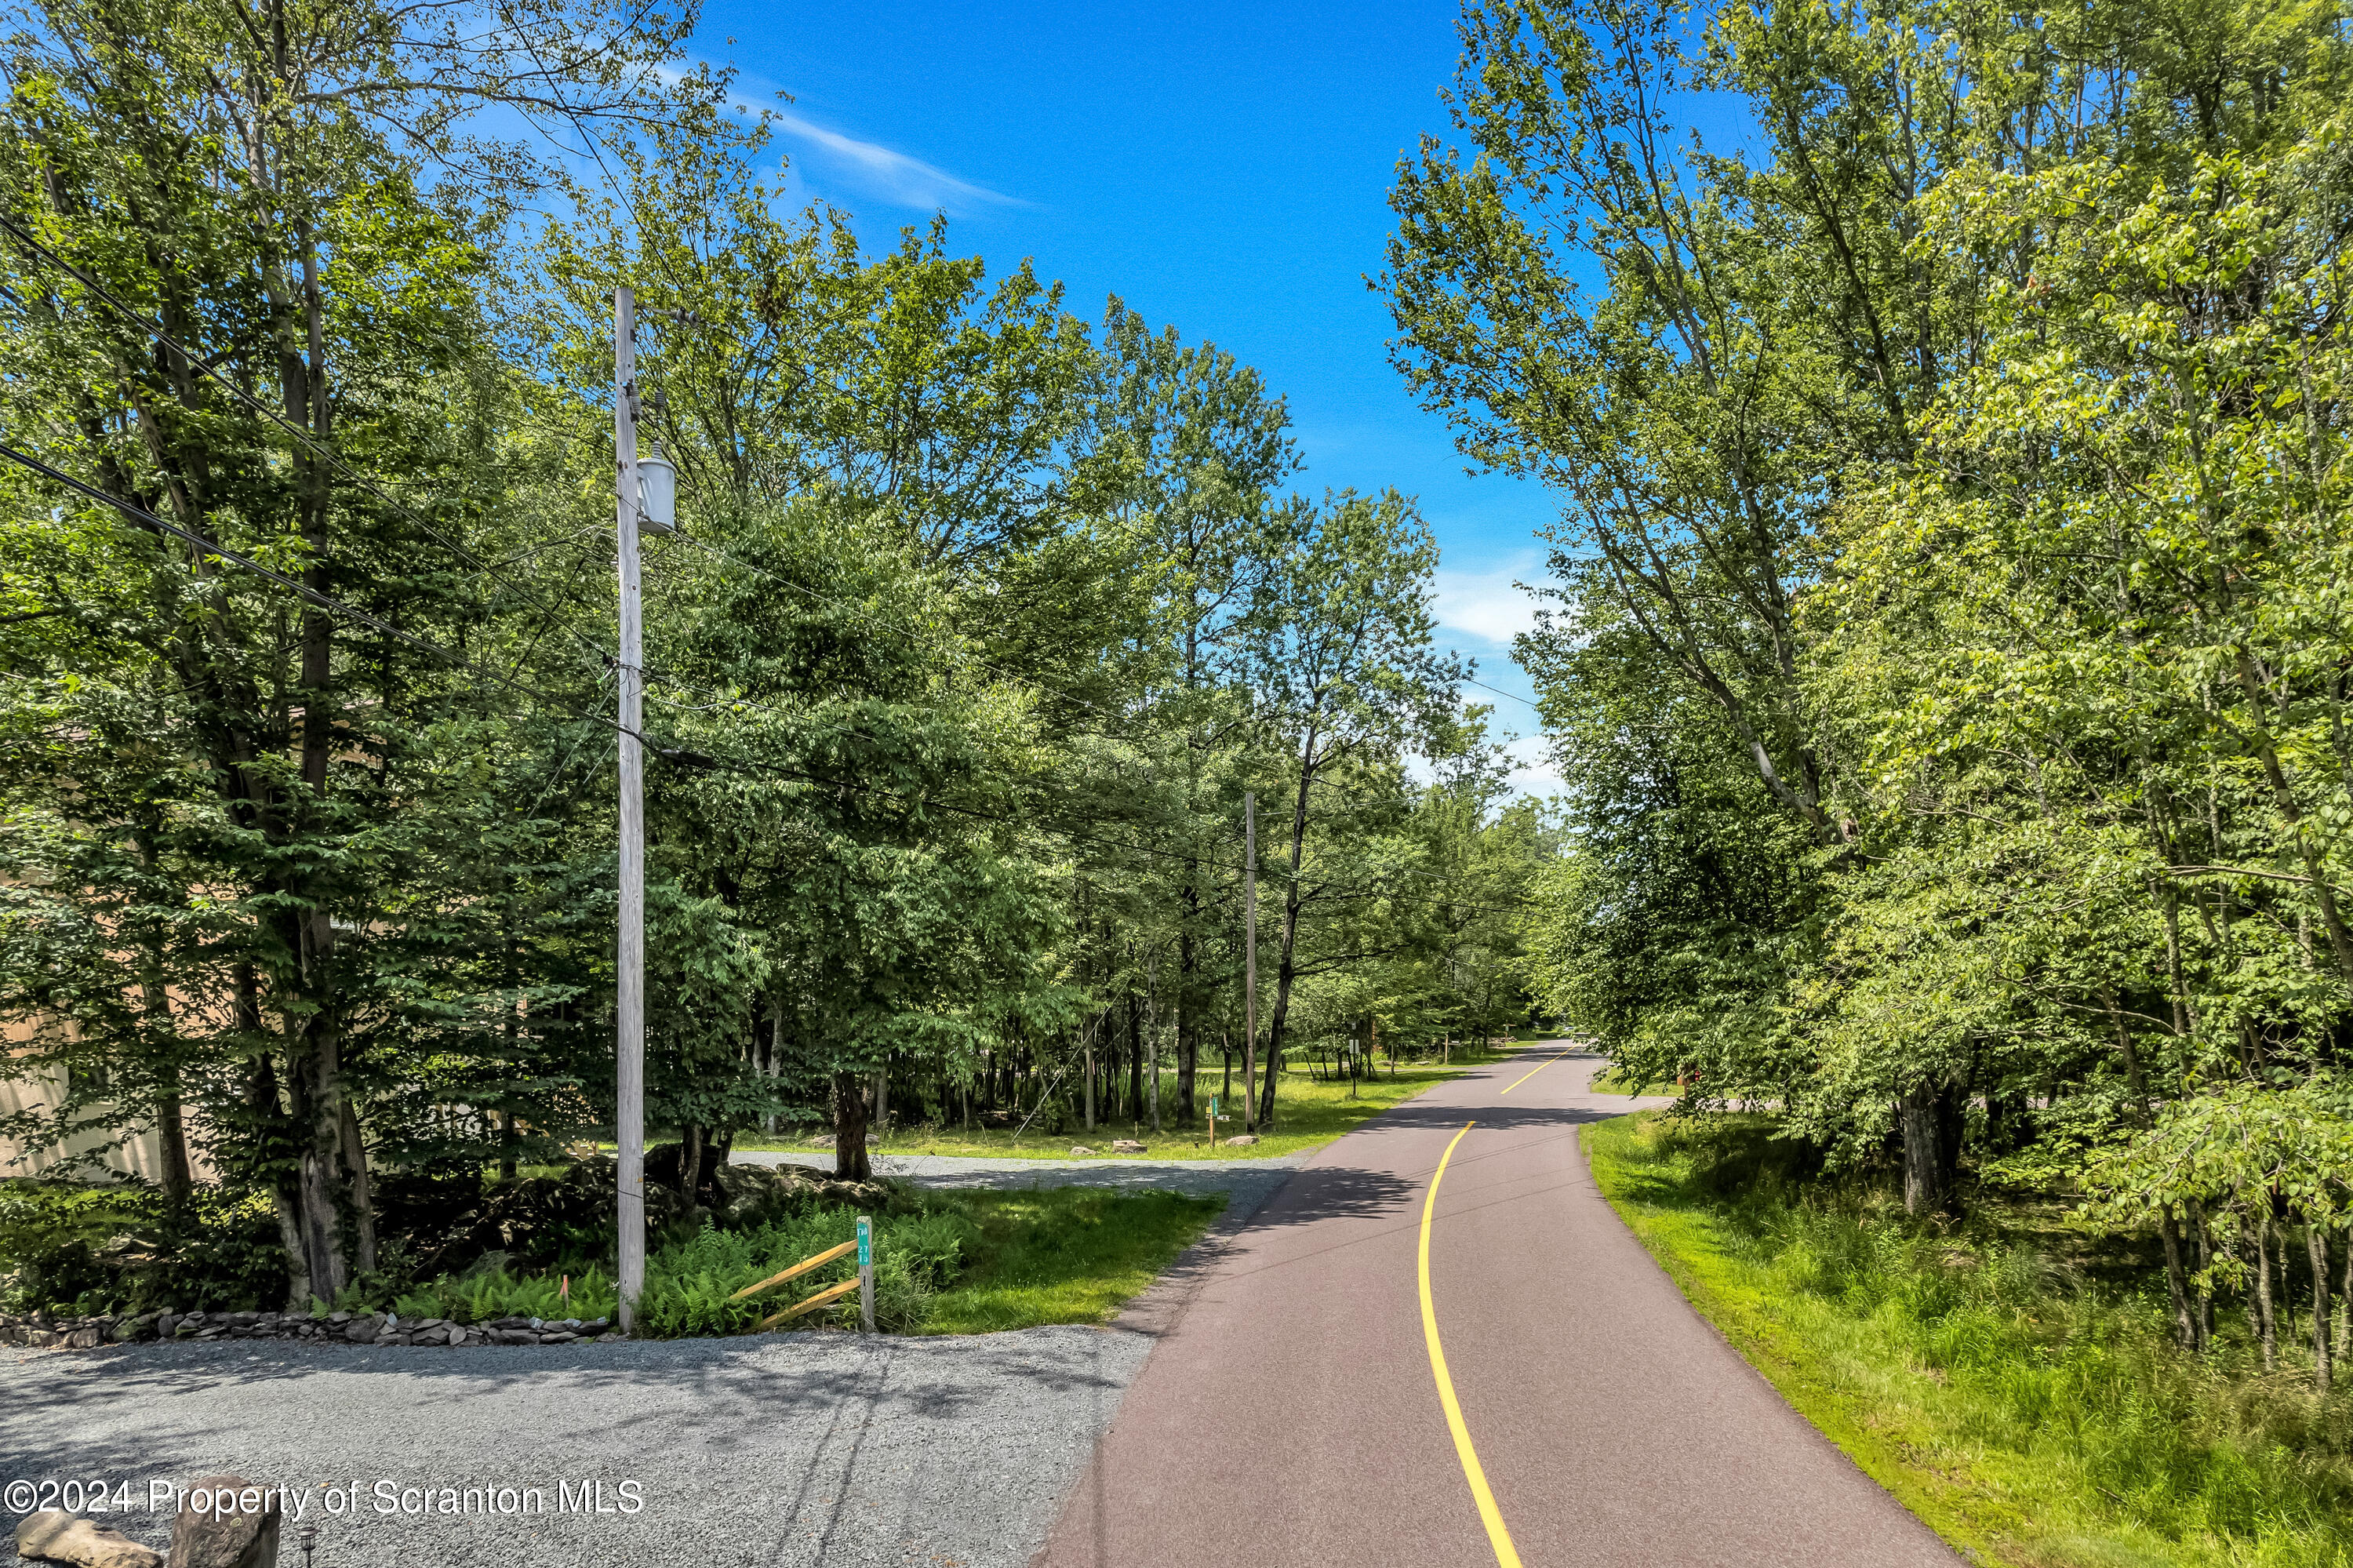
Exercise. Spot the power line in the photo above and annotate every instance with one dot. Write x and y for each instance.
(1499, 691)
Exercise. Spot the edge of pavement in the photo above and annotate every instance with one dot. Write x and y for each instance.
(1154, 1311)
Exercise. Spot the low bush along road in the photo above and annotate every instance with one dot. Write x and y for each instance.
(1437, 1344)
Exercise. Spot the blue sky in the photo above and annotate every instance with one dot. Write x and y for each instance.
(1223, 167)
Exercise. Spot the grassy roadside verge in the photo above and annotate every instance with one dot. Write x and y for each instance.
(1064, 1254)
(945, 1262)
(1308, 1115)
(2031, 1414)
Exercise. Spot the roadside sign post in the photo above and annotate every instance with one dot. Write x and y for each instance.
(1213, 1121)
(866, 1273)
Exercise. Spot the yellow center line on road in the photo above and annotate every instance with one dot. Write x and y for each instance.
(1506, 1555)
(1531, 1071)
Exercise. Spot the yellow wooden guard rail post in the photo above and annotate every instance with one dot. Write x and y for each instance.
(830, 1293)
(796, 1270)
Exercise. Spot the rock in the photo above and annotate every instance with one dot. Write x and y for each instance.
(338, 1317)
(1241, 1140)
(818, 1137)
(609, 1337)
(1127, 1146)
(560, 1336)
(364, 1330)
(83, 1339)
(164, 1325)
(1081, 1149)
(61, 1538)
(225, 1538)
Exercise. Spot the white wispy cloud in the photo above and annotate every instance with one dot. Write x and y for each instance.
(885, 173)
(1485, 605)
(863, 167)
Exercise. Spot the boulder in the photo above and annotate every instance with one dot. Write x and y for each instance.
(1241, 1140)
(1127, 1146)
(58, 1537)
(1079, 1149)
(226, 1537)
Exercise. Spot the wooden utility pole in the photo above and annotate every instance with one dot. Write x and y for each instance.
(629, 1003)
(1250, 962)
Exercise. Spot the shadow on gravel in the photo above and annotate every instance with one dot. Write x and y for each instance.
(724, 1381)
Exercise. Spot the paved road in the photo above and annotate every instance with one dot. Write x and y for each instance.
(1291, 1415)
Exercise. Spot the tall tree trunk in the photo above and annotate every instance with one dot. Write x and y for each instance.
(690, 1166)
(1188, 1027)
(2202, 1254)
(1286, 968)
(1087, 1075)
(1135, 1059)
(2315, 1242)
(1931, 1149)
(850, 1119)
(2177, 1285)
(2345, 1302)
(2267, 1321)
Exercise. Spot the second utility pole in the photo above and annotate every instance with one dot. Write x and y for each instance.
(630, 1002)
(1250, 962)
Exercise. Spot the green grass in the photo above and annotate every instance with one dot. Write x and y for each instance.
(1308, 1115)
(1064, 1254)
(1610, 1081)
(945, 1262)
(2007, 1381)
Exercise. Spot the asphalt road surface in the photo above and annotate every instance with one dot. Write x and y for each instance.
(1294, 1411)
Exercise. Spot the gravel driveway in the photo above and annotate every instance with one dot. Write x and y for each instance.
(788, 1449)
(1251, 1181)
(805, 1449)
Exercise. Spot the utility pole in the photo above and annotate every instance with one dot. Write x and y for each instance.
(1250, 962)
(629, 1114)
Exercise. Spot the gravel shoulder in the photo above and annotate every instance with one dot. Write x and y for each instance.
(792, 1449)
(1249, 1181)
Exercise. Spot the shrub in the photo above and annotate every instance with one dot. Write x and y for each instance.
(689, 1282)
